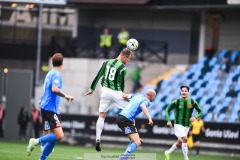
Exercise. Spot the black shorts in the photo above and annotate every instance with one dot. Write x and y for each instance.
(50, 120)
(126, 125)
(196, 137)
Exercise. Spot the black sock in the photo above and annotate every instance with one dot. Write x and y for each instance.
(198, 148)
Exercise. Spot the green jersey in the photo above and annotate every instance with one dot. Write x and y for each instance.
(183, 111)
(113, 74)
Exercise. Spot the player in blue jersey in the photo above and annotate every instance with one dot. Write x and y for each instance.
(138, 103)
(49, 103)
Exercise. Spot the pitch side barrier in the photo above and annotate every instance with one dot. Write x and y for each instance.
(79, 126)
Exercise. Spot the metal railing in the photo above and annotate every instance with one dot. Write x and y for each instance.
(152, 50)
(149, 50)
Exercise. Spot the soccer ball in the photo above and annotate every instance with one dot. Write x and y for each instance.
(132, 44)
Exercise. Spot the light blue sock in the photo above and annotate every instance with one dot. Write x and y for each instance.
(130, 143)
(48, 138)
(130, 149)
(43, 143)
(47, 150)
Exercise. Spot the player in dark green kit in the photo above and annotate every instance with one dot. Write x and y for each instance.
(113, 74)
(183, 109)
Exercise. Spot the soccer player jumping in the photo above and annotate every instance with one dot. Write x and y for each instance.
(113, 74)
(183, 109)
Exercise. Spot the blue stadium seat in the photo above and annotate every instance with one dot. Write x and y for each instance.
(208, 117)
(207, 76)
(222, 54)
(200, 92)
(199, 83)
(213, 61)
(208, 86)
(205, 108)
(215, 101)
(221, 117)
(203, 100)
(234, 55)
(233, 117)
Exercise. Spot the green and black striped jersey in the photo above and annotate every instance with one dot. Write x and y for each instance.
(113, 74)
(183, 110)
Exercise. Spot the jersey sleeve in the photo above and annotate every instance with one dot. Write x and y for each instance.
(123, 74)
(146, 102)
(169, 109)
(56, 80)
(199, 109)
(98, 76)
(40, 101)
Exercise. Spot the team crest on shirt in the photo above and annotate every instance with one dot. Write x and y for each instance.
(190, 105)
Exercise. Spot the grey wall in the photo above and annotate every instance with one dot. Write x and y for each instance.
(19, 93)
(230, 30)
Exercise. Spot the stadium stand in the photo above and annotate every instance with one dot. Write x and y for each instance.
(217, 92)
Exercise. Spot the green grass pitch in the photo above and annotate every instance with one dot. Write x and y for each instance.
(16, 151)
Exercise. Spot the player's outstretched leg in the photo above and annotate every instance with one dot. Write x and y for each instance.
(30, 146)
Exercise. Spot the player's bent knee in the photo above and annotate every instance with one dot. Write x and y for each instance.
(103, 115)
(138, 142)
(179, 143)
(184, 139)
(60, 136)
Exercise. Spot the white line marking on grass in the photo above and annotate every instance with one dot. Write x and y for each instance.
(67, 157)
(35, 155)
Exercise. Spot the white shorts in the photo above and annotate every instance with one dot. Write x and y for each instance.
(110, 97)
(180, 131)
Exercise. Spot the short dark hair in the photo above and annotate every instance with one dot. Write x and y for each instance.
(126, 52)
(185, 87)
(57, 59)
